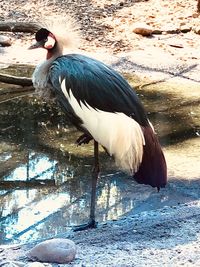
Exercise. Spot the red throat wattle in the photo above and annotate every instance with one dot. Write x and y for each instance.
(49, 55)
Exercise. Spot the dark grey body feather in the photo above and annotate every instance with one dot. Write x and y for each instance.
(95, 84)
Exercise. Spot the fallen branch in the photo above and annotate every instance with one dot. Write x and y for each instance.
(173, 31)
(16, 89)
(23, 81)
(9, 26)
(149, 32)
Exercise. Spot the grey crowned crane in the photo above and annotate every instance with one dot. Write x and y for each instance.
(101, 104)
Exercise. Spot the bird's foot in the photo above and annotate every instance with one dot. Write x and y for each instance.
(83, 139)
(91, 224)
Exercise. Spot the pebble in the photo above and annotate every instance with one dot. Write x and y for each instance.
(143, 31)
(5, 41)
(58, 250)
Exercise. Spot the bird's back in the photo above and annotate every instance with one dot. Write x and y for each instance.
(98, 85)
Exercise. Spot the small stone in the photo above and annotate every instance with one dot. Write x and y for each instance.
(143, 31)
(56, 250)
(5, 41)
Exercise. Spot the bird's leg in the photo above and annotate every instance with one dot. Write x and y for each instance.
(95, 174)
(83, 139)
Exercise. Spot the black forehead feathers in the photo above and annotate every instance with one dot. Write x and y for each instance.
(42, 34)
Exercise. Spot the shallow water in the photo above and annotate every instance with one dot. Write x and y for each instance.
(45, 177)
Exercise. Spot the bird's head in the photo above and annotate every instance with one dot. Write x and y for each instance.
(44, 39)
(56, 35)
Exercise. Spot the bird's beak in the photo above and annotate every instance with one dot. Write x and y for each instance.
(37, 45)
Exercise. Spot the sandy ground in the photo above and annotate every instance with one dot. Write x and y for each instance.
(169, 236)
(166, 237)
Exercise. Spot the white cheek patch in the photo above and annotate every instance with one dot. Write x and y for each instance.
(50, 42)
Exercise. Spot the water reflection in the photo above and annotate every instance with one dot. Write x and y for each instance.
(45, 178)
(37, 166)
(28, 213)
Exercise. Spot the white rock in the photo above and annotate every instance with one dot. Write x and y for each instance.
(5, 41)
(56, 250)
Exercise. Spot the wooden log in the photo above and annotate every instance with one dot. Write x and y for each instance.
(4, 92)
(10, 26)
(23, 81)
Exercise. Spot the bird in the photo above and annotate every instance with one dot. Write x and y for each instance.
(101, 104)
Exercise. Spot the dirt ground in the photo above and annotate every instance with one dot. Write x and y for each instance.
(169, 236)
(107, 27)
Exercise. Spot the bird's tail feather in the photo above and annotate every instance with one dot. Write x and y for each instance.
(152, 170)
